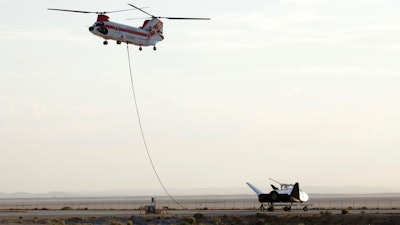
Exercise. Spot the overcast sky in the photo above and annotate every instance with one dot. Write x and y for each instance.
(296, 90)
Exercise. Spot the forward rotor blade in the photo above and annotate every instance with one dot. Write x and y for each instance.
(98, 13)
(67, 10)
(141, 18)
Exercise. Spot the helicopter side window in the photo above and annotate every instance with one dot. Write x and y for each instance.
(99, 24)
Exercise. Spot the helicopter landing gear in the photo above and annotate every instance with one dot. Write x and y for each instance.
(105, 42)
(118, 42)
(140, 48)
(154, 48)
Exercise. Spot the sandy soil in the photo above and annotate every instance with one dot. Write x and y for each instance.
(215, 219)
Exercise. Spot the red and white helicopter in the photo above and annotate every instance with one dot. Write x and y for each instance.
(148, 34)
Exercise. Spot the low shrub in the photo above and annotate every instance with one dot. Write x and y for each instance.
(198, 216)
(190, 220)
(325, 213)
(344, 211)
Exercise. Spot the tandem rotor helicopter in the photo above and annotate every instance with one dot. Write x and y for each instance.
(148, 34)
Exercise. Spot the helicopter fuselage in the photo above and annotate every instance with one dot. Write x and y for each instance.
(147, 35)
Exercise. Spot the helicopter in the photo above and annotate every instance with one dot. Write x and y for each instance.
(149, 34)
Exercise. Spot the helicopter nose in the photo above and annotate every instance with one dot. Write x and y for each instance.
(91, 28)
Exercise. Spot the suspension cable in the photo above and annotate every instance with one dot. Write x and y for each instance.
(143, 136)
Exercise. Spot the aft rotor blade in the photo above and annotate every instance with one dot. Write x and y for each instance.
(141, 10)
(170, 18)
(183, 18)
(123, 10)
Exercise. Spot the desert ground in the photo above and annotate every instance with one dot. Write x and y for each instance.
(201, 210)
(201, 217)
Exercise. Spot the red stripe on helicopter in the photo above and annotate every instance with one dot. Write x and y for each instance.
(128, 31)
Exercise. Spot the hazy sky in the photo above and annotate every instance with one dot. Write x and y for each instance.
(297, 90)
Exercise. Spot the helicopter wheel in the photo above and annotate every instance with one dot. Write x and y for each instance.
(154, 48)
(118, 42)
(105, 42)
(140, 48)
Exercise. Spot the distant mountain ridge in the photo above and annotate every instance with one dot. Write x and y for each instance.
(316, 190)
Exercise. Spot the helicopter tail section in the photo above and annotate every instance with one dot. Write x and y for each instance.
(155, 27)
(154, 24)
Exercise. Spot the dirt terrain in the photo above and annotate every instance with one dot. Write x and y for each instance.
(214, 219)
